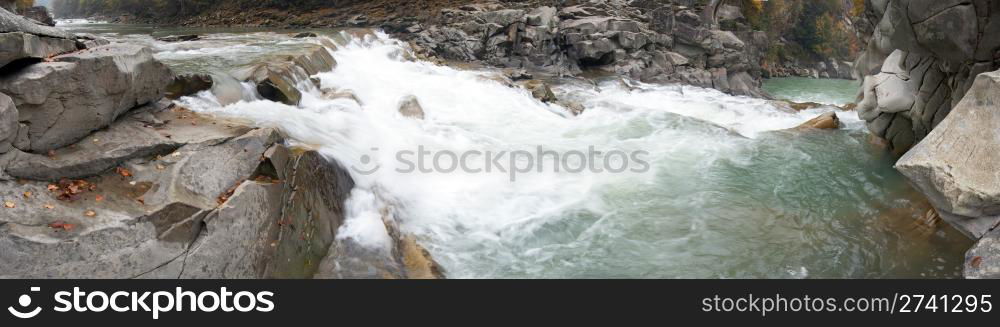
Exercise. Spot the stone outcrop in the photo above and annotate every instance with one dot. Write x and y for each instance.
(23, 39)
(63, 100)
(667, 41)
(921, 59)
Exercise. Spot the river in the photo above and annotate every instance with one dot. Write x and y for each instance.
(729, 192)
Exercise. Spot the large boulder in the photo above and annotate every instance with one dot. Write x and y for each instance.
(956, 164)
(64, 100)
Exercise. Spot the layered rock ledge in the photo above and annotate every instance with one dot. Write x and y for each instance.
(100, 177)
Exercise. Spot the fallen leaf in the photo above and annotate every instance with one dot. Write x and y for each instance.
(90, 213)
(123, 171)
(49, 206)
(99, 198)
(8, 204)
(52, 154)
(160, 167)
(53, 187)
(62, 225)
(27, 194)
(976, 261)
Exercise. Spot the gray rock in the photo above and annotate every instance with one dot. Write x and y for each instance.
(983, 260)
(145, 133)
(955, 164)
(315, 61)
(87, 41)
(11, 23)
(8, 123)
(19, 45)
(276, 81)
(922, 58)
(540, 90)
(179, 38)
(64, 100)
(410, 107)
(542, 16)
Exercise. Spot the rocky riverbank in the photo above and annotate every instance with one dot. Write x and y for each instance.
(703, 43)
(929, 90)
(103, 178)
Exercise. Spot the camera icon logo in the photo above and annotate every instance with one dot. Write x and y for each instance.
(25, 301)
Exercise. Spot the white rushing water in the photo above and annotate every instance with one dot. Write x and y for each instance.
(727, 192)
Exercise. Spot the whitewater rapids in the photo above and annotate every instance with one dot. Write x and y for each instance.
(729, 192)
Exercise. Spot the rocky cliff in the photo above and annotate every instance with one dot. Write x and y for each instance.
(922, 57)
(102, 178)
(930, 90)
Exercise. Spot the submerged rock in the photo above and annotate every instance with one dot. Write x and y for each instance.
(825, 121)
(410, 107)
(540, 90)
(179, 38)
(305, 35)
(956, 164)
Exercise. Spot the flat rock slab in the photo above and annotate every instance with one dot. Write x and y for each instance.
(145, 133)
(9, 22)
(19, 45)
(958, 165)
